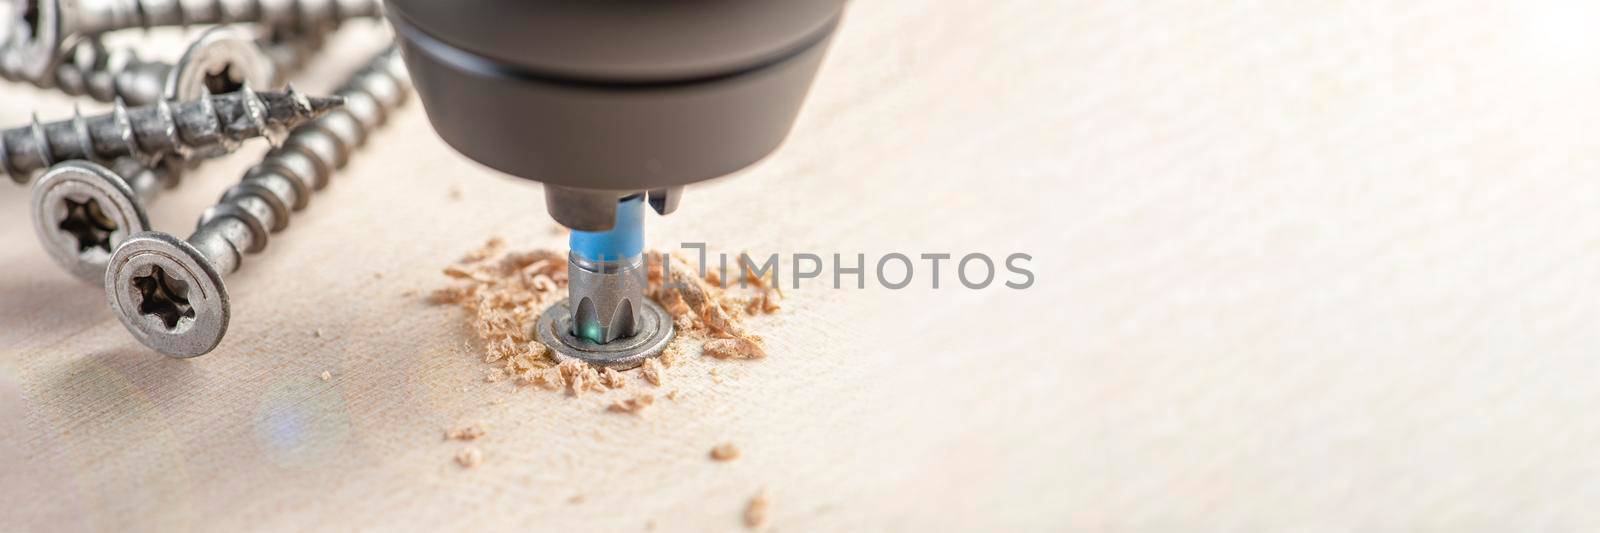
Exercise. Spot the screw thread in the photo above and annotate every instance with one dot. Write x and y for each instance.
(90, 69)
(105, 75)
(207, 124)
(110, 15)
(262, 201)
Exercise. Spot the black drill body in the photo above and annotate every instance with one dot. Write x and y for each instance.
(604, 99)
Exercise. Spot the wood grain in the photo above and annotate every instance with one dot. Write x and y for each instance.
(1325, 266)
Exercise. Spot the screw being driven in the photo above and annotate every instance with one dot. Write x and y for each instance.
(47, 28)
(169, 292)
(82, 210)
(149, 132)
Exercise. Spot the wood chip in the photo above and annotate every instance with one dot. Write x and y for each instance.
(698, 297)
(672, 395)
(613, 379)
(669, 356)
(735, 348)
(548, 378)
(578, 376)
(469, 457)
(473, 431)
(326, 375)
(635, 405)
(652, 372)
(490, 248)
(755, 513)
(724, 452)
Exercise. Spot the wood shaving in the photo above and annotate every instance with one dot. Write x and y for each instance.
(652, 372)
(576, 499)
(635, 405)
(755, 513)
(548, 378)
(326, 375)
(613, 379)
(767, 296)
(490, 248)
(669, 356)
(504, 292)
(735, 348)
(468, 432)
(578, 376)
(724, 452)
(672, 395)
(469, 457)
(679, 282)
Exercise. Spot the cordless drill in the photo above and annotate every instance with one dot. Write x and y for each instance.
(611, 105)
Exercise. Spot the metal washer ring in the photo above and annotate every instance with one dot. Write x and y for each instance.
(656, 329)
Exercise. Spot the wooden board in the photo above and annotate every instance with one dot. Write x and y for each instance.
(1298, 266)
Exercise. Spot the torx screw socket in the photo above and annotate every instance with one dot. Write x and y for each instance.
(82, 210)
(167, 293)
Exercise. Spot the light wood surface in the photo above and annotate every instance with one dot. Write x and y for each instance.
(1323, 266)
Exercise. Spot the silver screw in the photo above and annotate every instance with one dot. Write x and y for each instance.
(44, 29)
(148, 132)
(222, 59)
(82, 210)
(169, 292)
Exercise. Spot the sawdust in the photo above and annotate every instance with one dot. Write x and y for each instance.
(766, 300)
(724, 452)
(652, 372)
(504, 291)
(736, 348)
(635, 405)
(578, 377)
(469, 432)
(469, 457)
(613, 379)
(669, 356)
(755, 513)
(326, 375)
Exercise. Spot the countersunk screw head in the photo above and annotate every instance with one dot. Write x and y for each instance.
(221, 60)
(38, 37)
(81, 212)
(168, 295)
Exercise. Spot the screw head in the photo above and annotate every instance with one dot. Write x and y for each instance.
(221, 60)
(81, 212)
(38, 37)
(168, 295)
(656, 330)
